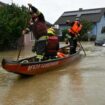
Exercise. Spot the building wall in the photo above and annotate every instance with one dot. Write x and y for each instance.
(28, 40)
(94, 31)
(100, 24)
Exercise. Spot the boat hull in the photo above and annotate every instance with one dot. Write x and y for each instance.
(33, 68)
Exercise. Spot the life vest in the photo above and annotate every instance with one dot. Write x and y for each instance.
(60, 55)
(79, 28)
(52, 45)
(76, 28)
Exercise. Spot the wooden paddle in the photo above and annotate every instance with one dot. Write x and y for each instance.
(65, 47)
(82, 47)
(20, 45)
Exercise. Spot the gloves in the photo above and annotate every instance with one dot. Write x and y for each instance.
(78, 34)
(66, 41)
(25, 31)
(30, 5)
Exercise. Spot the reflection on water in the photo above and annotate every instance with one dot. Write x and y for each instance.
(14, 54)
(80, 83)
(56, 88)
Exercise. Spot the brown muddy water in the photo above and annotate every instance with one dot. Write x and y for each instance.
(80, 83)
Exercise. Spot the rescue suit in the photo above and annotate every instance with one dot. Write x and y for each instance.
(52, 44)
(73, 31)
(39, 29)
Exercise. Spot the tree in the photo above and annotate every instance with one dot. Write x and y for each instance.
(13, 19)
(87, 26)
(64, 32)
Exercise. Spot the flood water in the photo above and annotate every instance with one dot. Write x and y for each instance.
(80, 83)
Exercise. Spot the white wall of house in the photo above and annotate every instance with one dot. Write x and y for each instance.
(28, 39)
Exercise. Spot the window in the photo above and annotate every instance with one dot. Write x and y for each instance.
(103, 29)
(104, 14)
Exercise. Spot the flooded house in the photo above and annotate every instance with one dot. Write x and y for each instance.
(96, 16)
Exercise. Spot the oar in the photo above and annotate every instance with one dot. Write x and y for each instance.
(64, 47)
(82, 47)
(20, 43)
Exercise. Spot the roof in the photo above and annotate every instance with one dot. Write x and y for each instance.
(92, 15)
(2, 4)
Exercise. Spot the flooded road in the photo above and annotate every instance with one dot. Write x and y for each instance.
(80, 83)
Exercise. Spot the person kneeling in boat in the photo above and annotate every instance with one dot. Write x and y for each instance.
(37, 25)
(52, 44)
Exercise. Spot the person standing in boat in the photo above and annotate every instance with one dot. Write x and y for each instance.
(38, 27)
(52, 44)
(73, 32)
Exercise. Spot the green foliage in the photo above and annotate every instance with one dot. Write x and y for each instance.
(93, 38)
(87, 26)
(13, 20)
(64, 32)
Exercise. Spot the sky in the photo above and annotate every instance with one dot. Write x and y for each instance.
(53, 9)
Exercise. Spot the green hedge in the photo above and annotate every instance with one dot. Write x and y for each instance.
(12, 21)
